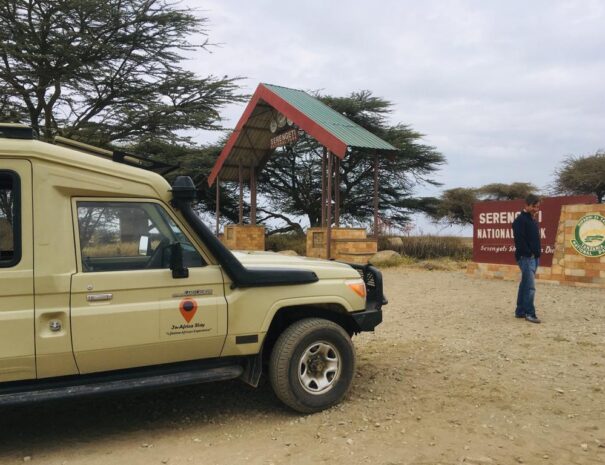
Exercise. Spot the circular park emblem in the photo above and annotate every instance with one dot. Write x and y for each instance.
(589, 237)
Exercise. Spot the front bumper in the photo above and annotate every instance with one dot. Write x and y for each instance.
(368, 319)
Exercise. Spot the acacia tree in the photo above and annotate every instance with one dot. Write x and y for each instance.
(291, 180)
(501, 191)
(581, 175)
(455, 206)
(196, 162)
(106, 71)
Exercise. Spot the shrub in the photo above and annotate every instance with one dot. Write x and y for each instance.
(124, 249)
(287, 241)
(431, 247)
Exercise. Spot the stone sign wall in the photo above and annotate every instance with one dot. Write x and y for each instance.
(579, 251)
(493, 234)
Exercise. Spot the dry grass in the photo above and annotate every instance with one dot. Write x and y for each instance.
(127, 249)
(428, 252)
(431, 247)
(438, 264)
(441, 264)
(398, 261)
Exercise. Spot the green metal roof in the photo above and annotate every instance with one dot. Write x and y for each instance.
(338, 125)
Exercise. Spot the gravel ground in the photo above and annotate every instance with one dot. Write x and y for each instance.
(450, 377)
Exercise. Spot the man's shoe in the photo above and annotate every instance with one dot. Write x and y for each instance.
(533, 319)
(519, 316)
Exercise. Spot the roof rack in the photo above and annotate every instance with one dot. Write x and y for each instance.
(22, 131)
(17, 131)
(119, 156)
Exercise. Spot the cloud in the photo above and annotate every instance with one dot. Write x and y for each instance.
(504, 89)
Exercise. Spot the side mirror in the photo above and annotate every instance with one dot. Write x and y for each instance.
(143, 245)
(176, 261)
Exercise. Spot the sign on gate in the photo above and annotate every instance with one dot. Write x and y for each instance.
(285, 138)
(493, 240)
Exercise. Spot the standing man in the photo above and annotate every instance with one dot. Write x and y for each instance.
(527, 242)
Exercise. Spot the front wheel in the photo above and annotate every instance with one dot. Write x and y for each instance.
(312, 365)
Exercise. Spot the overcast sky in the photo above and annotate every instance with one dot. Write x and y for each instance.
(504, 89)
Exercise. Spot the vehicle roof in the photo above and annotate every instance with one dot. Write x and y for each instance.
(83, 161)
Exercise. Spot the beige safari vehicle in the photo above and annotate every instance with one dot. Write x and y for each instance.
(110, 282)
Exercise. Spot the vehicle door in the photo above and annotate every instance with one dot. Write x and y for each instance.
(17, 349)
(127, 309)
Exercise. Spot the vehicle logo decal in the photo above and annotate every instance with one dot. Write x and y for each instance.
(188, 307)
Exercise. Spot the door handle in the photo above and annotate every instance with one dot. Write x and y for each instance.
(99, 297)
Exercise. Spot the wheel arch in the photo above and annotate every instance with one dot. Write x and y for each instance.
(289, 314)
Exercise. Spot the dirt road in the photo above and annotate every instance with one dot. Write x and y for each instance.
(450, 377)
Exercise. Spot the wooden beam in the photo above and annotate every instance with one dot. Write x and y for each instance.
(337, 192)
(267, 109)
(252, 180)
(323, 189)
(218, 203)
(241, 194)
(376, 229)
(252, 196)
(329, 209)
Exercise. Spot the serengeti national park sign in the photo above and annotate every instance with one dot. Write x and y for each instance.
(493, 240)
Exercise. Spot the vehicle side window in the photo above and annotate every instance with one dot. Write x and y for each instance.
(10, 219)
(120, 236)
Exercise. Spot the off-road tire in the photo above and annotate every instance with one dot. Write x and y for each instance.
(286, 359)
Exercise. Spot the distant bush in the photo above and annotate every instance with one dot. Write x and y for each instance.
(414, 247)
(430, 247)
(118, 249)
(125, 249)
(288, 241)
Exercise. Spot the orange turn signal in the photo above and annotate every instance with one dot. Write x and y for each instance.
(358, 287)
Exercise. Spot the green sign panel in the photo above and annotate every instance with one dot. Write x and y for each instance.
(589, 237)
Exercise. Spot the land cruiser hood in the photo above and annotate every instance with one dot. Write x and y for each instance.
(325, 269)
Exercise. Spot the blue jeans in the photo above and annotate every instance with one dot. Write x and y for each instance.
(527, 287)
